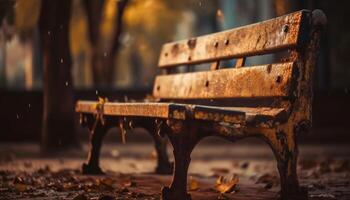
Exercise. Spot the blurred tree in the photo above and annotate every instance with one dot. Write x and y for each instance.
(6, 21)
(94, 10)
(25, 23)
(148, 25)
(103, 56)
(110, 56)
(58, 117)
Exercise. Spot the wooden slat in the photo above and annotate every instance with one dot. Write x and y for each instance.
(126, 109)
(246, 115)
(260, 38)
(260, 81)
(164, 110)
(263, 115)
(215, 65)
(240, 62)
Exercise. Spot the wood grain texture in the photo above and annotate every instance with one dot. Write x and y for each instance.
(187, 112)
(248, 82)
(260, 38)
(126, 109)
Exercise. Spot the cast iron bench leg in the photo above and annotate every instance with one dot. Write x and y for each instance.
(160, 144)
(284, 146)
(183, 142)
(163, 164)
(92, 166)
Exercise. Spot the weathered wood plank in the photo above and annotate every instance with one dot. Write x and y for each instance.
(260, 38)
(160, 110)
(163, 110)
(240, 62)
(187, 111)
(248, 82)
(215, 65)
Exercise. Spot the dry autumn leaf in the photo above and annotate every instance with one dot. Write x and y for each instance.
(101, 101)
(193, 184)
(106, 181)
(226, 185)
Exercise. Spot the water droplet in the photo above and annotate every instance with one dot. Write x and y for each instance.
(29, 105)
(61, 60)
(17, 116)
(66, 83)
(96, 92)
(105, 54)
(49, 32)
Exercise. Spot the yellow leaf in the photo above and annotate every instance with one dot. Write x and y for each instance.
(226, 186)
(102, 100)
(193, 184)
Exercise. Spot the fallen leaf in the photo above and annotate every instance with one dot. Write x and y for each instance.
(226, 185)
(106, 181)
(193, 184)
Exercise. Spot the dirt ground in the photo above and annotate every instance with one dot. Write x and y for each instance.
(27, 174)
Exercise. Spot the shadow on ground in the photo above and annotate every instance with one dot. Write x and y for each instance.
(25, 173)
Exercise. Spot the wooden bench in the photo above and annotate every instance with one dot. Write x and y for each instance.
(271, 101)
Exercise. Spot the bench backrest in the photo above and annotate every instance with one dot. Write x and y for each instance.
(291, 32)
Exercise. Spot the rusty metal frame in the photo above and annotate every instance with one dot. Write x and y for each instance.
(99, 128)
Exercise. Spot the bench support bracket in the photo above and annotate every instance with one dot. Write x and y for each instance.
(183, 138)
(284, 146)
(96, 137)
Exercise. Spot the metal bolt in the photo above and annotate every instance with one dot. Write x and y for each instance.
(285, 28)
(278, 79)
(216, 44)
(206, 83)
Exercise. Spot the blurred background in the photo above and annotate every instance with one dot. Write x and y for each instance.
(110, 48)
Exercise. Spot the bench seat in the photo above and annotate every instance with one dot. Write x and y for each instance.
(243, 115)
